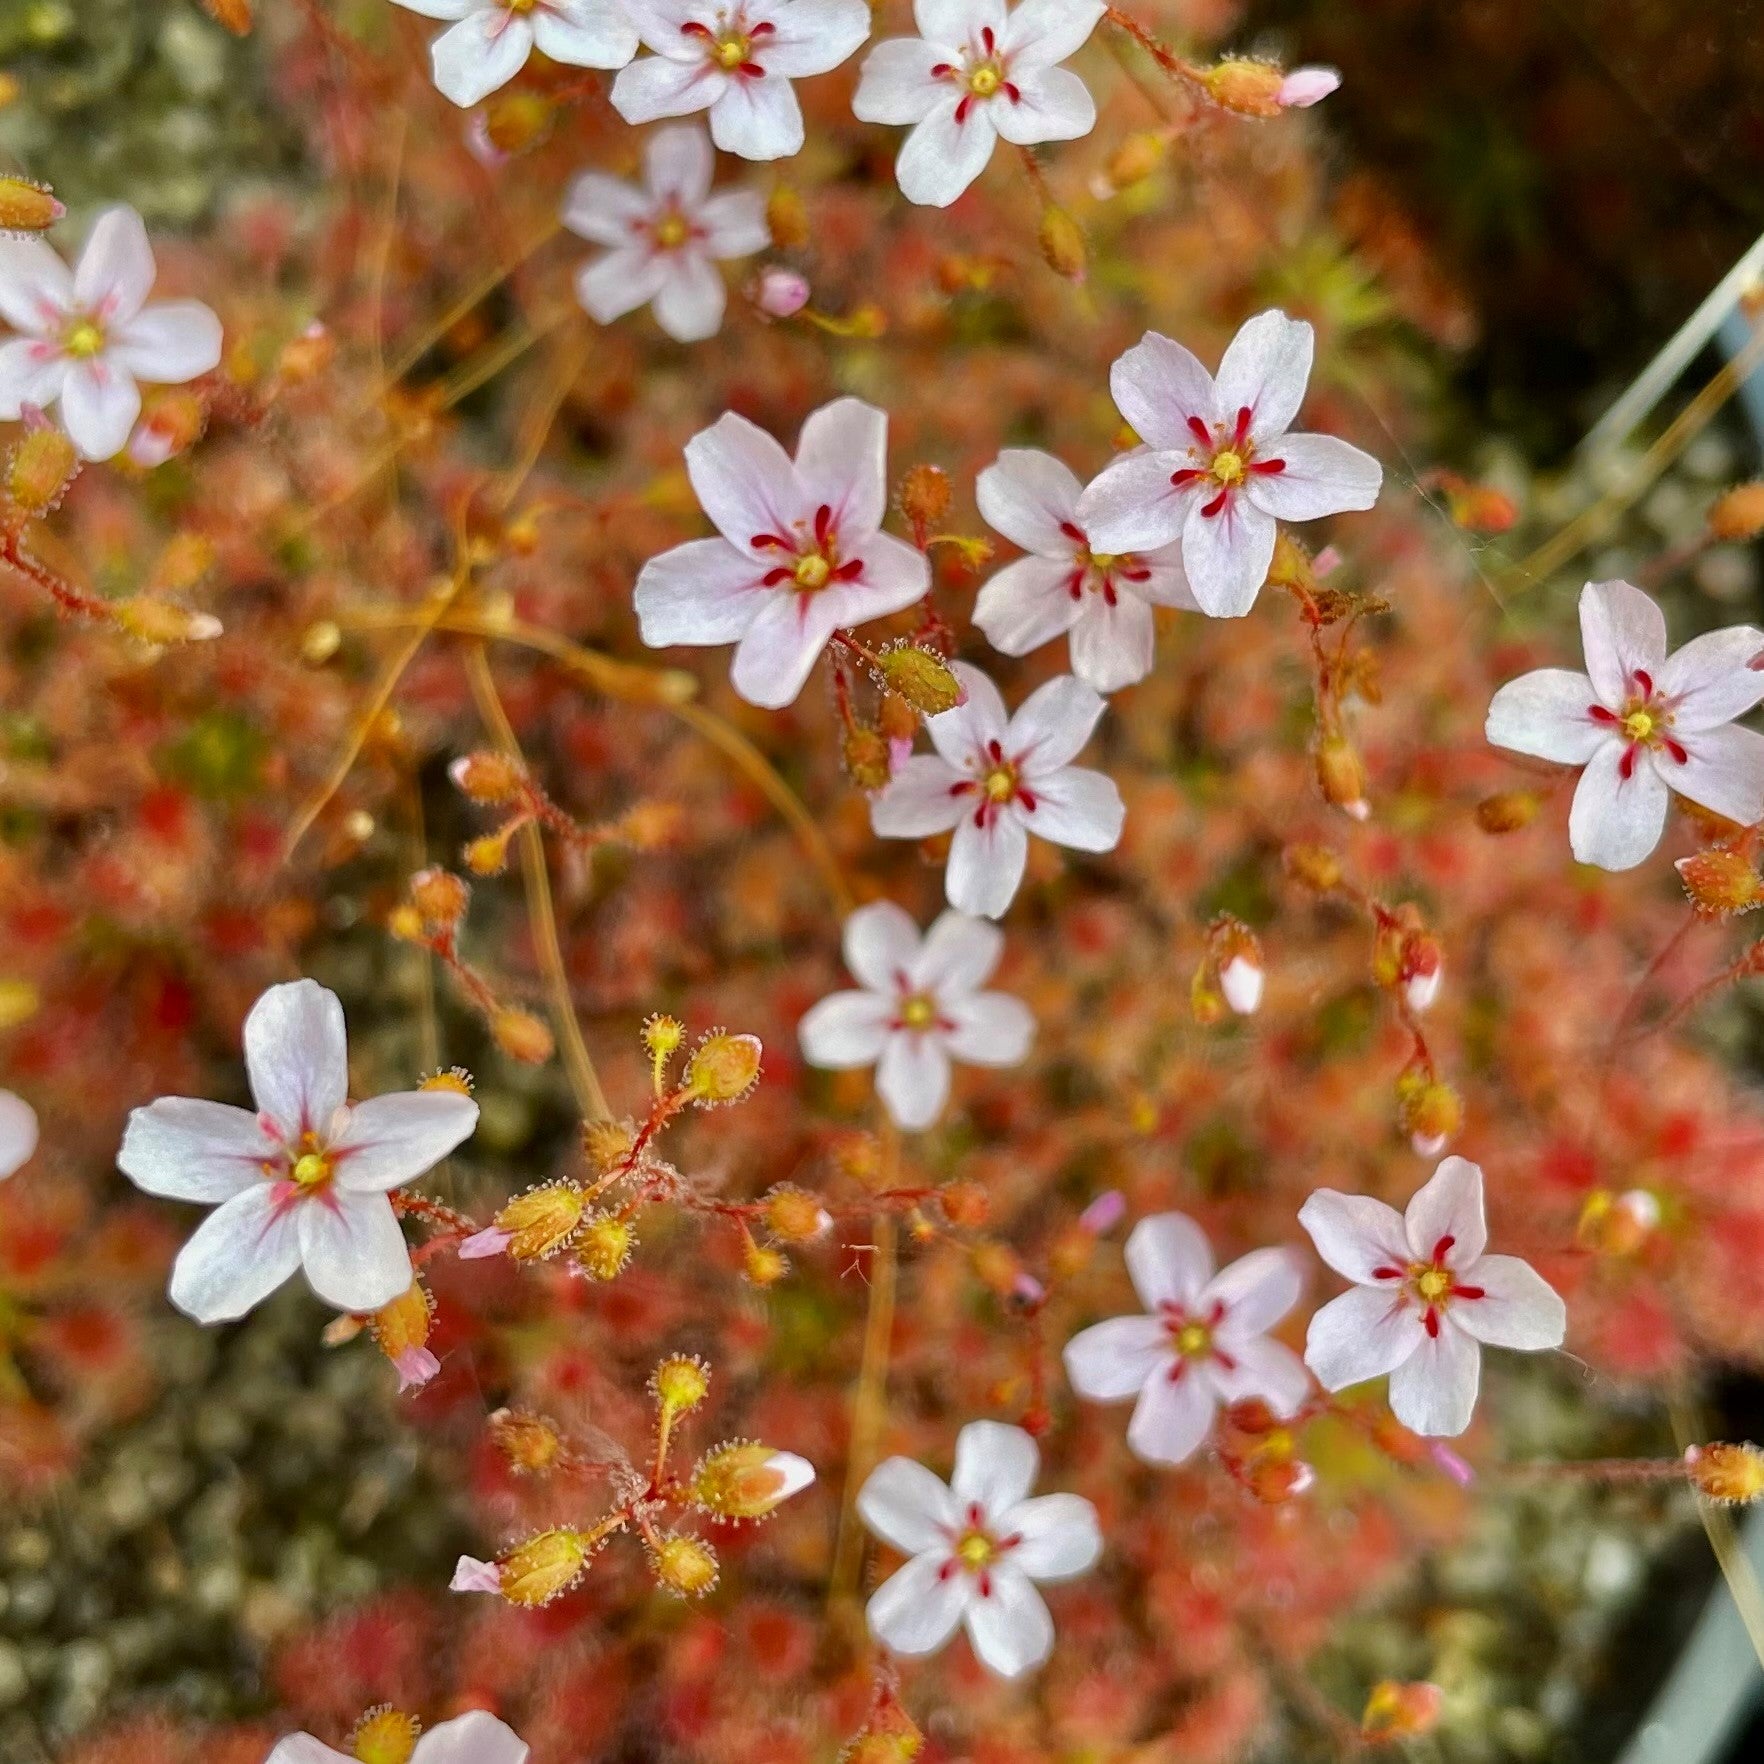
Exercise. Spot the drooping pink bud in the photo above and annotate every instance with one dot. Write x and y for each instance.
(782, 293)
(1104, 1213)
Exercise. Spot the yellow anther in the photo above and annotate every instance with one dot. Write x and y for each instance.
(1193, 1339)
(1228, 467)
(1434, 1284)
(671, 231)
(84, 338)
(919, 1011)
(730, 52)
(1001, 783)
(1640, 725)
(812, 571)
(984, 81)
(975, 1549)
(311, 1168)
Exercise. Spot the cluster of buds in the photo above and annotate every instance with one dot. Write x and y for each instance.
(1406, 957)
(1429, 1110)
(1230, 972)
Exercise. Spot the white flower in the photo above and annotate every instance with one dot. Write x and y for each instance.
(476, 1737)
(1104, 603)
(303, 1182)
(89, 337)
(664, 238)
(977, 1546)
(1203, 1342)
(1424, 1297)
(972, 74)
(996, 780)
(1219, 467)
(1642, 723)
(18, 1133)
(921, 1005)
(802, 552)
(736, 59)
(491, 40)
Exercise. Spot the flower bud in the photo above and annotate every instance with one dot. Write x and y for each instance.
(748, 1481)
(543, 1568)
(608, 1144)
(1507, 811)
(305, 357)
(662, 1036)
(680, 1383)
(1206, 1003)
(487, 855)
(1738, 513)
(1306, 86)
(1245, 87)
(723, 1068)
(604, 1246)
(780, 293)
(517, 122)
(966, 1205)
(924, 495)
(1341, 776)
(1730, 1474)
(27, 207)
(521, 1035)
(174, 422)
(384, 1735)
(867, 759)
(237, 16)
(530, 1443)
(1136, 158)
(1397, 1711)
(542, 1221)
(41, 467)
(439, 895)
(889, 1738)
(1277, 1477)
(684, 1565)
(763, 1265)
(1617, 1224)
(1429, 1111)
(1720, 882)
(454, 1078)
(1314, 866)
(787, 218)
(1062, 244)
(158, 621)
(485, 776)
(402, 1330)
(926, 681)
(795, 1216)
(1238, 953)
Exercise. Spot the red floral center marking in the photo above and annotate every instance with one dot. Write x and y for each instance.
(1225, 458)
(815, 562)
(1099, 571)
(1645, 721)
(1431, 1284)
(974, 1549)
(732, 46)
(996, 782)
(1194, 1336)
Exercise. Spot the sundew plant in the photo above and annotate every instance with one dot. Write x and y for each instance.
(805, 954)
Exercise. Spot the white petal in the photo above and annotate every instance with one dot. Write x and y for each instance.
(1449, 1205)
(957, 956)
(18, 1133)
(1615, 822)
(1173, 1416)
(812, 38)
(30, 373)
(1322, 476)
(659, 24)
(778, 651)
(480, 55)
(1134, 504)
(1623, 632)
(168, 343)
(1227, 555)
(1518, 1307)
(942, 157)
(621, 281)
(1111, 1361)
(923, 797)
(916, 1610)
(880, 943)
(894, 576)
(609, 211)
(302, 1748)
(1261, 1368)
(388, 1140)
(1052, 725)
(36, 289)
(953, 24)
(1547, 713)
(1167, 582)
(1723, 769)
(1009, 1627)
(1026, 604)
(1030, 497)
(734, 223)
(1160, 387)
(842, 460)
(1077, 808)
(845, 1030)
(1712, 679)
(995, 1466)
(745, 482)
(476, 1737)
(981, 718)
(702, 592)
(689, 304)
(1058, 1536)
(1169, 1260)
(188, 1149)
(297, 1056)
(1256, 1290)
(1264, 370)
(1053, 104)
(991, 1029)
(354, 1255)
(1363, 1334)
(238, 1255)
(1112, 646)
(116, 270)
(585, 33)
(1043, 32)
(1434, 1391)
(448, 9)
(908, 1507)
(99, 405)
(986, 865)
(758, 119)
(896, 84)
(912, 1079)
(654, 86)
(1355, 1234)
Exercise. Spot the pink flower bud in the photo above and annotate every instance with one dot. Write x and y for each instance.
(1306, 86)
(471, 1575)
(483, 1244)
(415, 1367)
(781, 292)
(1104, 1213)
(1454, 1466)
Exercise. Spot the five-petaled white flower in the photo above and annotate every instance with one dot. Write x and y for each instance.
(301, 1183)
(18, 1133)
(1203, 1342)
(665, 238)
(978, 1545)
(974, 73)
(88, 338)
(1104, 603)
(476, 1737)
(736, 59)
(921, 1005)
(491, 40)
(995, 780)
(802, 554)
(1642, 723)
(1424, 1297)
(1219, 467)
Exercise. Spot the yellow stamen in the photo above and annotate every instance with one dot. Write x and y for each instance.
(1228, 467)
(671, 231)
(975, 1549)
(84, 339)
(1639, 725)
(730, 52)
(1001, 783)
(919, 1011)
(812, 571)
(983, 81)
(1193, 1339)
(1434, 1284)
(311, 1168)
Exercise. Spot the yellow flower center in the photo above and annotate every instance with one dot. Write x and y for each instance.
(1193, 1340)
(919, 1011)
(1001, 783)
(386, 1735)
(1433, 1284)
(730, 52)
(520, 5)
(1640, 724)
(984, 80)
(812, 571)
(84, 338)
(1228, 466)
(311, 1169)
(671, 231)
(975, 1549)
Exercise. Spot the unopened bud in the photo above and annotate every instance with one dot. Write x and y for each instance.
(1136, 158)
(439, 895)
(487, 855)
(486, 776)
(27, 207)
(966, 1205)
(662, 1037)
(530, 1443)
(1720, 882)
(680, 1383)
(1396, 1711)
(795, 1216)
(780, 293)
(748, 1481)
(1062, 244)
(867, 760)
(158, 621)
(174, 422)
(521, 1036)
(41, 467)
(1341, 776)
(1730, 1474)
(1738, 513)
(305, 357)
(723, 1068)
(543, 1568)
(542, 1221)
(604, 1246)
(787, 218)
(684, 1565)
(384, 1735)
(1507, 811)
(406, 924)
(763, 1264)
(608, 1144)
(237, 16)
(1206, 1003)
(516, 122)
(924, 495)
(1245, 87)
(926, 681)
(996, 1267)
(1617, 1224)
(1430, 1112)
(1315, 866)
(402, 1331)
(1306, 86)
(1238, 954)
